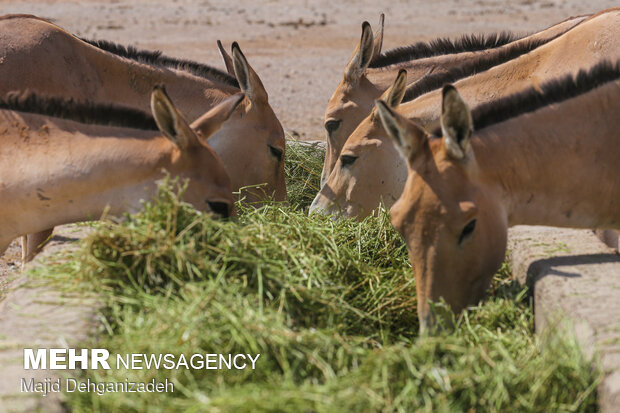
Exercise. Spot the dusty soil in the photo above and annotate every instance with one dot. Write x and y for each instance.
(298, 47)
(10, 265)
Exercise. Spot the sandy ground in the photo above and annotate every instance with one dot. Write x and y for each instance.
(299, 48)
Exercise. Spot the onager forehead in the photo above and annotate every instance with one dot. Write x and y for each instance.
(367, 130)
(339, 102)
(436, 185)
(368, 144)
(433, 161)
(445, 178)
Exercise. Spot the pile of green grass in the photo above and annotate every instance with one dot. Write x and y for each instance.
(329, 305)
(304, 162)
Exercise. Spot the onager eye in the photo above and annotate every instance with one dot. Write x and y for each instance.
(347, 160)
(277, 152)
(332, 125)
(467, 231)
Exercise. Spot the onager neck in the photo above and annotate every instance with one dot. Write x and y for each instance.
(194, 95)
(417, 68)
(542, 64)
(558, 165)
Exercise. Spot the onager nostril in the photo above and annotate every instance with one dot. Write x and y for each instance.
(220, 208)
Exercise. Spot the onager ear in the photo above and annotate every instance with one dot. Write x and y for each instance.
(227, 59)
(249, 82)
(170, 121)
(361, 56)
(394, 95)
(456, 123)
(378, 43)
(407, 136)
(212, 121)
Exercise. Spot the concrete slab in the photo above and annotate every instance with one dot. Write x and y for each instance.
(37, 316)
(576, 285)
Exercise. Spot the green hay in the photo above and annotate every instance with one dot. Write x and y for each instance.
(304, 162)
(329, 305)
(308, 268)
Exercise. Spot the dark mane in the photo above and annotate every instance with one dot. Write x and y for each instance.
(83, 112)
(443, 46)
(156, 58)
(553, 91)
(479, 64)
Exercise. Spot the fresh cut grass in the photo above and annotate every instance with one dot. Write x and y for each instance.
(330, 305)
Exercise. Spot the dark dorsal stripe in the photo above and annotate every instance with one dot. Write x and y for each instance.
(444, 46)
(156, 58)
(553, 91)
(83, 112)
(470, 68)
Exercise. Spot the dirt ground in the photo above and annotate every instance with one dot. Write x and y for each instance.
(298, 47)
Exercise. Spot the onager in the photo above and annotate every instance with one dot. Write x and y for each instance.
(38, 55)
(369, 170)
(544, 156)
(63, 162)
(370, 73)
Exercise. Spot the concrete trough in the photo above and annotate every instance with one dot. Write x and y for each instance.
(575, 280)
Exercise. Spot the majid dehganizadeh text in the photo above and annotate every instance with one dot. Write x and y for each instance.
(98, 358)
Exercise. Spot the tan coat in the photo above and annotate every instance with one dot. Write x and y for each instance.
(38, 55)
(55, 171)
(354, 97)
(378, 173)
(556, 165)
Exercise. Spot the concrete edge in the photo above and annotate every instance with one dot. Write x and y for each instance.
(36, 315)
(573, 274)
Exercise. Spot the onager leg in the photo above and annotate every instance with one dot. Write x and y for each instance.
(3, 246)
(33, 244)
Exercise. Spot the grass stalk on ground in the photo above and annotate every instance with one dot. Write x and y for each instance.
(330, 306)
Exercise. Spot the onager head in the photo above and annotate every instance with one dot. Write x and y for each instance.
(363, 174)
(252, 143)
(354, 97)
(453, 223)
(209, 187)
